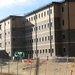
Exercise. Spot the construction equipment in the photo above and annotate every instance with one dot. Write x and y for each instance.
(20, 55)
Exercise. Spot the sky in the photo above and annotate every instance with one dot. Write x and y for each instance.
(18, 7)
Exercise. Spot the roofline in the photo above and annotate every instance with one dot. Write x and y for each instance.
(10, 17)
(45, 6)
(36, 10)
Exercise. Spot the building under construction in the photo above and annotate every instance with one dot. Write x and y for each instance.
(45, 32)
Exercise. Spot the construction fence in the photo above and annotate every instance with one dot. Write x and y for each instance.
(53, 66)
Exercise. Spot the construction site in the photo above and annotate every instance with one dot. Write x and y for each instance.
(41, 42)
(55, 66)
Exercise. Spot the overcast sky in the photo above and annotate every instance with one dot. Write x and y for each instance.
(16, 7)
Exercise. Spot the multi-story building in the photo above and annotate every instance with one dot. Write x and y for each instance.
(47, 31)
(11, 34)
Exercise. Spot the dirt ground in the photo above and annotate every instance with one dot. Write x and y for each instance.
(42, 68)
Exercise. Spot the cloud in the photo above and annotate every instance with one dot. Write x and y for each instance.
(9, 3)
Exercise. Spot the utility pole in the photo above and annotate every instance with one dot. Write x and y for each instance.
(5, 34)
(50, 32)
(36, 35)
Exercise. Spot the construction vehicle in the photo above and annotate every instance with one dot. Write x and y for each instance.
(20, 55)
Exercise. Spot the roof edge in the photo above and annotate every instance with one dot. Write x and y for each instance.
(9, 17)
(40, 8)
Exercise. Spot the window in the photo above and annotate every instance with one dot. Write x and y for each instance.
(62, 9)
(64, 50)
(62, 22)
(32, 40)
(36, 17)
(41, 14)
(13, 39)
(0, 36)
(5, 23)
(46, 50)
(8, 42)
(40, 51)
(48, 38)
(8, 22)
(13, 28)
(47, 12)
(0, 26)
(51, 24)
(42, 39)
(43, 50)
(29, 41)
(31, 18)
(48, 25)
(51, 37)
(44, 13)
(45, 25)
(28, 52)
(5, 33)
(33, 52)
(42, 26)
(0, 44)
(37, 51)
(39, 27)
(5, 42)
(45, 38)
(34, 29)
(49, 50)
(63, 36)
(52, 50)
(50, 11)
(37, 39)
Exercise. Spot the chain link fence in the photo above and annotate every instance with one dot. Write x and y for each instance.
(54, 66)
